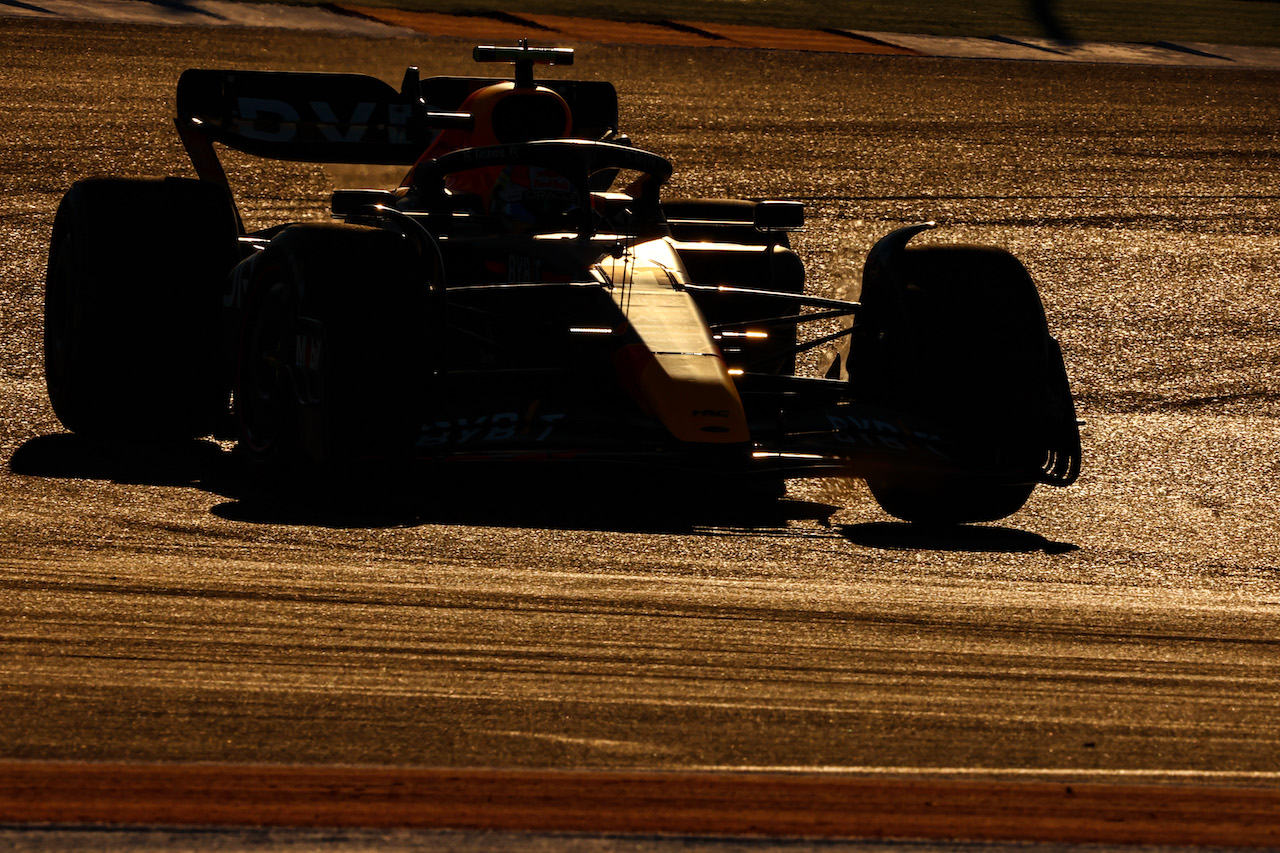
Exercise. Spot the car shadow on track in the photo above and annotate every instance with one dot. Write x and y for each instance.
(900, 536)
(495, 497)
(623, 515)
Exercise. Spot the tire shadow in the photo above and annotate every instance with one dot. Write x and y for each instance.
(69, 456)
(901, 536)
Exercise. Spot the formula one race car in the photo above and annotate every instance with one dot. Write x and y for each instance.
(527, 295)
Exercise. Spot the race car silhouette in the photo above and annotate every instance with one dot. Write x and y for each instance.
(527, 295)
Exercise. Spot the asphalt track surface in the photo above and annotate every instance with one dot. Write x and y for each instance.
(508, 28)
(1121, 633)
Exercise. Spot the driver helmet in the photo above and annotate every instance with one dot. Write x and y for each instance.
(502, 113)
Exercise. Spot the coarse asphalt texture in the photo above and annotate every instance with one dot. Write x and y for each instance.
(375, 21)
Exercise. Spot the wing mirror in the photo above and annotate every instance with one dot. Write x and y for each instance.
(779, 216)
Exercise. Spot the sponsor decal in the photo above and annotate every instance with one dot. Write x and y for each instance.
(872, 432)
(307, 351)
(308, 359)
(498, 153)
(523, 268)
(274, 120)
(493, 428)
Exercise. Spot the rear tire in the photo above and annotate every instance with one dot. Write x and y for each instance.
(132, 317)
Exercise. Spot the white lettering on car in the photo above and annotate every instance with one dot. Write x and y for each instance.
(356, 125)
(270, 120)
(488, 429)
(273, 120)
(307, 352)
(877, 433)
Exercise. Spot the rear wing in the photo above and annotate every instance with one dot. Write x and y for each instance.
(316, 117)
(308, 117)
(347, 118)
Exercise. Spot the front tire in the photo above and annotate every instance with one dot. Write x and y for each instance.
(943, 500)
(957, 336)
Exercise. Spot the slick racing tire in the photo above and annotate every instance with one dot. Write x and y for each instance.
(964, 346)
(132, 314)
(333, 339)
(948, 499)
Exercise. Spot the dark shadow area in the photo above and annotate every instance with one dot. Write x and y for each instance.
(1020, 43)
(28, 6)
(1182, 48)
(494, 507)
(491, 495)
(900, 536)
(1046, 15)
(68, 456)
(488, 494)
(557, 495)
(180, 6)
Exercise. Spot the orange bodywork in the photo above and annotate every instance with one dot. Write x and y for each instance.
(502, 113)
(677, 372)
